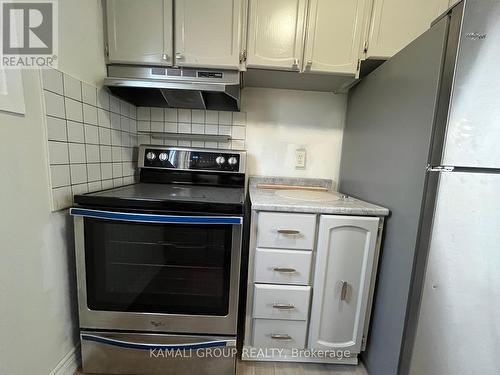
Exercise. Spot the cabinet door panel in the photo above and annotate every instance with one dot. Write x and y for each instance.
(334, 34)
(140, 32)
(346, 248)
(396, 23)
(208, 33)
(276, 34)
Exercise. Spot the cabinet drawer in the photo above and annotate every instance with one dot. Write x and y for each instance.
(281, 302)
(285, 230)
(285, 334)
(282, 266)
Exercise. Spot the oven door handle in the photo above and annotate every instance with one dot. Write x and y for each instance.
(152, 218)
(148, 346)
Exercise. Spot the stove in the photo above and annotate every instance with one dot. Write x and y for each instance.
(158, 265)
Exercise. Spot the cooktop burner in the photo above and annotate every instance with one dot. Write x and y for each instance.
(179, 179)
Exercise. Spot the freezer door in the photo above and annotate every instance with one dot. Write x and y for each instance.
(473, 122)
(458, 330)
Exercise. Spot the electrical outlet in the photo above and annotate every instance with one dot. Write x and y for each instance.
(300, 158)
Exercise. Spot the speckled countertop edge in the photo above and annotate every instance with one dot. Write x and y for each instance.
(267, 200)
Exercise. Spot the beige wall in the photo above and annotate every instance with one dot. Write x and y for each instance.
(280, 121)
(37, 302)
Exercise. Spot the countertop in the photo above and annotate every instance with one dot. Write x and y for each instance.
(268, 200)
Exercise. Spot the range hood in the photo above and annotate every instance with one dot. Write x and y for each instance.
(175, 87)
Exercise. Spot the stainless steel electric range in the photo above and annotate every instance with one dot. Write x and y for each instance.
(158, 265)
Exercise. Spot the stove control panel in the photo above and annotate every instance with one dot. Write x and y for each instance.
(196, 159)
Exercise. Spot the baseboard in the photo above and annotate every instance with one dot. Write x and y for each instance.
(69, 364)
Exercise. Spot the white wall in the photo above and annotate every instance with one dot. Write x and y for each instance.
(38, 322)
(81, 42)
(280, 121)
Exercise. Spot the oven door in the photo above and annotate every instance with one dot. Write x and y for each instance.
(163, 273)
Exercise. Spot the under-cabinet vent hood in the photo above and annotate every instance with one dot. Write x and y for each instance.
(175, 88)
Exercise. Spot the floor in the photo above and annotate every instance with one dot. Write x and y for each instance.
(277, 368)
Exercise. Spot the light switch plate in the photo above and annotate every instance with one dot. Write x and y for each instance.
(300, 158)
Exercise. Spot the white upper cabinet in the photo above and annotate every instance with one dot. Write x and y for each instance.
(276, 34)
(396, 23)
(208, 33)
(334, 36)
(344, 263)
(140, 32)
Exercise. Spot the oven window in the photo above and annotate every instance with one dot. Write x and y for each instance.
(158, 268)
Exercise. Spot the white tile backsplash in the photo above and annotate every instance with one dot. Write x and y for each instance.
(75, 132)
(72, 88)
(54, 104)
(171, 115)
(184, 115)
(92, 134)
(94, 172)
(92, 152)
(186, 121)
(74, 110)
(103, 99)
(77, 153)
(114, 104)
(198, 116)
(157, 114)
(53, 81)
(78, 173)
(225, 118)
(89, 114)
(61, 198)
(157, 126)
(79, 121)
(58, 153)
(59, 175)
(89, 94)
(212, 117)
(56, 129)
(103, 118)
(104, 136)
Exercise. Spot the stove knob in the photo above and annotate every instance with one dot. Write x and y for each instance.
(151, 156)
(220, 160)
(232, 160)
(163, 156)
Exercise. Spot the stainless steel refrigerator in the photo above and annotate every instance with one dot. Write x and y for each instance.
(422, 138)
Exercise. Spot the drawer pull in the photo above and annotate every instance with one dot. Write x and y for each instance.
(289, 232)
(283, 306)
(284, 269)
(281, 336)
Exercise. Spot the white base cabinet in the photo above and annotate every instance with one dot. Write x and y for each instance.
(310, 286)
(344, 262)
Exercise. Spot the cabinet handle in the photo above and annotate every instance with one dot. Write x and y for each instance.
(289, 232)
(343, 291)
(283, 306)
(295, 64)
(179, 56)
(284, 269)
(281, 336)
(164, 57)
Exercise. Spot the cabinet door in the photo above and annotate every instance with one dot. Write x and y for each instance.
(276, 34)
(140, 32)
(396, 23)
(346, 248)
(334, 32)
(208, 33)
